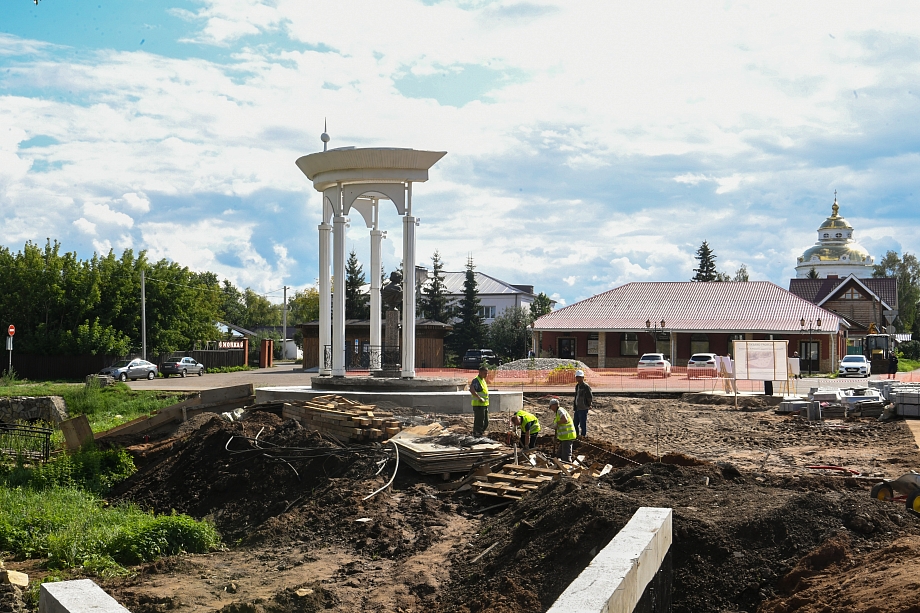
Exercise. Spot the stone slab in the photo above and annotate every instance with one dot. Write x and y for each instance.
(616, 578)
(429, 402)
(80, 596)
(13, 577)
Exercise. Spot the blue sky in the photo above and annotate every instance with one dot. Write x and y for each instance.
(589, 144)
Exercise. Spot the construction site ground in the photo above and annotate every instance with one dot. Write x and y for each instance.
(755, 529)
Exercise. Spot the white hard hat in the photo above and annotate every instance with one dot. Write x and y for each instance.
(579, 373)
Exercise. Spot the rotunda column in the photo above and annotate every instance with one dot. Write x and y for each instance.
(376, 359)
(325, 298)
(338, 290)
(408, 336)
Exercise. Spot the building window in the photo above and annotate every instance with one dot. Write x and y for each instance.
(629, 344)
(839, 235)
(487, 312)
(592, 343)
(827, 235)
(852, 294)
(699, 343)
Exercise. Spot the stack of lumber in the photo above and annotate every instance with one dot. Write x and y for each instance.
(218, 400)
(514, 480)
(347, 420)
(431, 450)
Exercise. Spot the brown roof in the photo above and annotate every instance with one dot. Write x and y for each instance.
(743, 306)
(817, 290)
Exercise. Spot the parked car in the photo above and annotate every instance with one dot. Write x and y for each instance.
(854, 366)
(131, 369)
(474, 357)
(702, 365)
(653, 364)
(181, 366)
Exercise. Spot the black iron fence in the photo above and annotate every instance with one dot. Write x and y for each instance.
(27, 442)
(365, 357)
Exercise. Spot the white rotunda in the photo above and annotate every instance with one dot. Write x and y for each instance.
(836, 252)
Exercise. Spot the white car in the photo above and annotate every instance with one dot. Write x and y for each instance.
(702, 365)
(854, 366)
(653, 364)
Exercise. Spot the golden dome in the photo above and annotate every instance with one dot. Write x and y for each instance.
(851, 252)
(835, 221)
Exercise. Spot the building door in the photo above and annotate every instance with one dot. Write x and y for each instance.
(810, 356)
(567, 348)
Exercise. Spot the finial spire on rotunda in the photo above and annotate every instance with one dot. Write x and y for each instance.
(325, 137)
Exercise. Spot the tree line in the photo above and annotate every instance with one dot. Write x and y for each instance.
(61, 304)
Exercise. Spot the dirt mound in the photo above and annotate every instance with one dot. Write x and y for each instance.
(734, 539)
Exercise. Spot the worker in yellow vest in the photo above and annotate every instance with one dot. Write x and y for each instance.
(479, 390)
(530, 427)
(565, 430)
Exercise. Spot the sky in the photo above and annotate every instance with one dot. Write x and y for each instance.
(589, 144)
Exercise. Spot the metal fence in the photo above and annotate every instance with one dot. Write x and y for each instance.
(365, 357)
(27, 442)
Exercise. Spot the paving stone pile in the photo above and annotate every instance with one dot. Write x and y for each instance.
(541, 364)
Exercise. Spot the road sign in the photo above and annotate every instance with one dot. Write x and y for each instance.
(11, 330)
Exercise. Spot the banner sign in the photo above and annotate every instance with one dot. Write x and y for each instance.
(761, 360)
(229, 344)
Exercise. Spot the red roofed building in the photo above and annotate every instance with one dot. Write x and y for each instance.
(612, 329)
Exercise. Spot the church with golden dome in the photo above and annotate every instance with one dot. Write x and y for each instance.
(836, 253)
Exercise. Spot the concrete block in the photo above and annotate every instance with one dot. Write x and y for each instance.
(81, 596)
(77, 431)
(616, 578)
(13, 577)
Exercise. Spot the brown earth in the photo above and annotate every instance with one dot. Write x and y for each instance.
(754, 528)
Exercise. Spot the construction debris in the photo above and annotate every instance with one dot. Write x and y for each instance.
(347, 420)
(432, 450)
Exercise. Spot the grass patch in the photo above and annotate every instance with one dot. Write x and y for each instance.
(906, 365)
(105, 407)
(70, 528)
(89, 469)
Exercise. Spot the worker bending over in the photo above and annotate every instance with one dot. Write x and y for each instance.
(565, 430)
(529, 425)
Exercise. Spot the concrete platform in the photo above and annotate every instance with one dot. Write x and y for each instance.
(429, 402)
(389, 384)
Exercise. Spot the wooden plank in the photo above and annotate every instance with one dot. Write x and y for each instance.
(222, 394)
(532, 470)
(516, 479)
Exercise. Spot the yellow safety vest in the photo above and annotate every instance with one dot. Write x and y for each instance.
(565, 427)
(526, 419)
(484, 393)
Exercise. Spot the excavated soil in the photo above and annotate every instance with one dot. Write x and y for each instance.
(754, 528)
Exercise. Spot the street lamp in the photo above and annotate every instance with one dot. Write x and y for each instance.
(811, 326)
(654, 329)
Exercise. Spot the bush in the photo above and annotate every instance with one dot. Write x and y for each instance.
(89, 469)
(910, 350)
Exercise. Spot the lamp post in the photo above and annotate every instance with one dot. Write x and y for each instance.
(811, 326)
(654, 328)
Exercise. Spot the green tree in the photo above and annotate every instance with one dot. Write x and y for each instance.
(707, 264)
(356, 301)
(434, 301)
(742, 274)
(509, 332)
(259, 311)
(232, 309)
(541, 306)
(906, 269)
(469, 332)
(304, 306)
(813, 273)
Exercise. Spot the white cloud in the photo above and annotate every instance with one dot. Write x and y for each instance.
(137, 202)
(85, 226)
(102, 213)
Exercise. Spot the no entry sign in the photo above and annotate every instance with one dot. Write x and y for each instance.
(11, 330)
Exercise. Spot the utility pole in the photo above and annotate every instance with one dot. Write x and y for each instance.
(284, 326)
(143, 316)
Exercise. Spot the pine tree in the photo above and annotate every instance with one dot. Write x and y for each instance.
(434, 296)
(469, 332)
(356, 301)
(707, 259)
(813, 273)
(540, 306)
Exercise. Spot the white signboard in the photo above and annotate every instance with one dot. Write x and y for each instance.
(795, 366)
(724, 364)
(761, 360)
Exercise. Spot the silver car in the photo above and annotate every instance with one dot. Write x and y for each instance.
(131, 369)
(181, 366)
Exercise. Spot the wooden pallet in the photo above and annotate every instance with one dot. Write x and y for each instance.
(345, 419)
(515, 480)
(420, 448)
